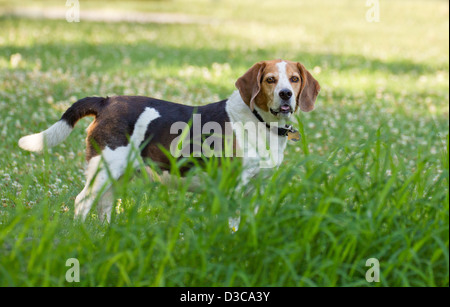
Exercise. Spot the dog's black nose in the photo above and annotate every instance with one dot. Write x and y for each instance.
(285, 94)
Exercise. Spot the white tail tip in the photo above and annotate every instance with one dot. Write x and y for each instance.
(52, 136)
(34, 142)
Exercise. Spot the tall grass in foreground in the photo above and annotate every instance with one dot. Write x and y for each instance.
(320, 218)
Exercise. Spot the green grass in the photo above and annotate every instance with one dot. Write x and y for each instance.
(368, 180)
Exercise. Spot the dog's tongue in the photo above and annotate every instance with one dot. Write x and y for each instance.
(285, 108)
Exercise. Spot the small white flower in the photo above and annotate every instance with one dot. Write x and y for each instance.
(15, 59)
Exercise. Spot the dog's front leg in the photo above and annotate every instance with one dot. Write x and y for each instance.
(251, 170)
(104, 206)
(194, 184)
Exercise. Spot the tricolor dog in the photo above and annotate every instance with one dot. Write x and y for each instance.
(135, 128)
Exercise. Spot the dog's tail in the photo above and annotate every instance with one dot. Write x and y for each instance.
(89, 106)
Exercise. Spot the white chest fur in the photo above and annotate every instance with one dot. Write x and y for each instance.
(260, 148)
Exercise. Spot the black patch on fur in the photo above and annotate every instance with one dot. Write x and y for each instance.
(117, 116)
(89, 106)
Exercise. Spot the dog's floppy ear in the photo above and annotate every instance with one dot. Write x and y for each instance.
(249, 85)
(309, 91)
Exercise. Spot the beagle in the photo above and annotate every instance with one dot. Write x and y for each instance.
(127, 129)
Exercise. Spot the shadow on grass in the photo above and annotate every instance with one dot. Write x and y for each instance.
(141, 53)
(162, 54)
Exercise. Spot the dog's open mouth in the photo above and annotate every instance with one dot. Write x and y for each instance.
(283, 110)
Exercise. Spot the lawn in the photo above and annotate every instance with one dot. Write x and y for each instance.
(369, 179)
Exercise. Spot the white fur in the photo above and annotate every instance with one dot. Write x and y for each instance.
(109, 166)
(283, 83)
(50, 137)
(256, 155)
(84, 200)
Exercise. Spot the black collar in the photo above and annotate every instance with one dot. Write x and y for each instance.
(281, 131)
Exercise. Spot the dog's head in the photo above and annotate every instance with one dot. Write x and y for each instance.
(279, 87)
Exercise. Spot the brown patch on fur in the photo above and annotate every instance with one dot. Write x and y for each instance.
(90, 148)
(249, 85)
(255, 90)
(310, 90)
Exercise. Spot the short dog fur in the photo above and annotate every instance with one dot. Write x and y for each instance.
(129, 128)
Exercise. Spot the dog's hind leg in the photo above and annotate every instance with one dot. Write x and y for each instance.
(110, 166)
(97, 184)
(95, 179)
(101, 172)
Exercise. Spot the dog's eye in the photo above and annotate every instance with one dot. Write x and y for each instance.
(294, 79)
(271, 80)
